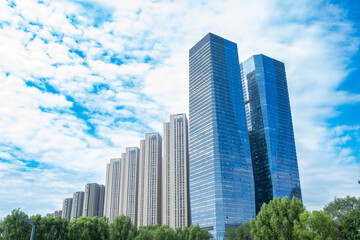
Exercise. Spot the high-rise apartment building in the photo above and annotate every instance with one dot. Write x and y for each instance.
(58, 213)
(175, 173)
(141, 187)
(130, 183)
(221, 180)
(150, 186)
(269, 122)
(123, 193)
(77, 205)
(94, 200)
(112, 189)
(67, 207)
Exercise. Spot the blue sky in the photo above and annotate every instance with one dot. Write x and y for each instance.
(82, 80)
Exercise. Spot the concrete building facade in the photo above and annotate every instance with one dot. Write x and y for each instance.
(112, 189)
(67, 208)
(141, 185)
(175, 173)
(94, 200)
(150, 187)
(77, 205)
(131, 182)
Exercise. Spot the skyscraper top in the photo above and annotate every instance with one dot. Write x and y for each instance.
(210, 37)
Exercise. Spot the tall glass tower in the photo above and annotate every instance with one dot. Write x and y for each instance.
(221, 175)
(270, 128)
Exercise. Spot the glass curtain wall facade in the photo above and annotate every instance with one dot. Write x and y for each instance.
(221, 175)
(271, 135)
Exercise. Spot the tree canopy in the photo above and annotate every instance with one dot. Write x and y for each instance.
(316, 225)
(276, 219)
(280, 219)
(240, 233)
(14, 228)
(346, 214)
(85, 228)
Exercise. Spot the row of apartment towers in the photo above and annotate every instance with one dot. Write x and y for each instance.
(88, 203)
(150, 184)
(239, 152)
(147, 184)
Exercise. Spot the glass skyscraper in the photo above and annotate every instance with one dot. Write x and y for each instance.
(221, 174)
(270, 129)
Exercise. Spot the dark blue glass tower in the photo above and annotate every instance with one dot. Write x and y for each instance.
(270, 128)
(221, 175)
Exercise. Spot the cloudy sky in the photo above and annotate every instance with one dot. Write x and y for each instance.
(82, 80)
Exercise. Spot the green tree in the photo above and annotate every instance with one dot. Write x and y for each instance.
(147, 232)
(276, 219)
(85, 228)
(231, 234)
(345, 212)
(164, 232)
(240, 233)
(196, 233)
(350, 227)
(122, 228)
(317, 225)
(50, 228)
(14, 228)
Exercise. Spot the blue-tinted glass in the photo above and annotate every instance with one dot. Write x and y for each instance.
(270, 129)
(221, 180)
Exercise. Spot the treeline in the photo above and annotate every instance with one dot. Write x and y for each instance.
(289, 220)
(85, 228)
(280, 219)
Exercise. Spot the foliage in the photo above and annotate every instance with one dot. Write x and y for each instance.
(196, 233)
(317, 225)
(164, 232)
(345, 212)
(240, 233)
(122, 228)
(14, 228)
(350, 227)
(276, 219)
(85, 228)
(231, 234)
(50, 228)
(147, 232)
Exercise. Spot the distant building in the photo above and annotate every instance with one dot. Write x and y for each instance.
(141, 187)
(221, 175)
(67, 207)
(150, 185)
(175, 173)
(112, 189)
(58, 213)
(94, 200)
(270, 129)
(123, 192)
(130, 184)
(77, 205)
